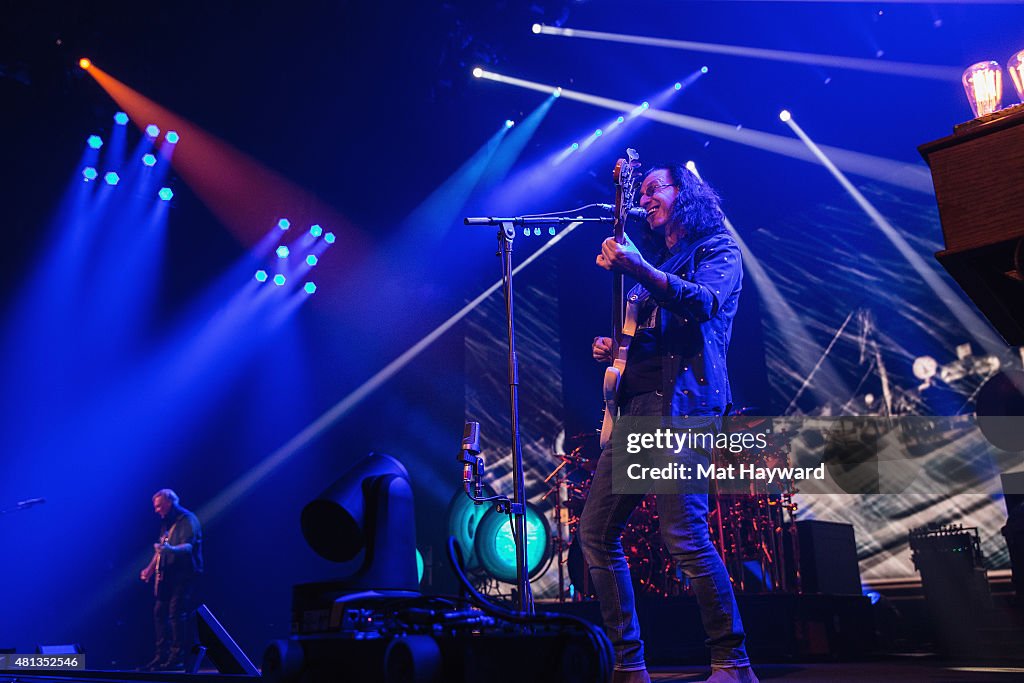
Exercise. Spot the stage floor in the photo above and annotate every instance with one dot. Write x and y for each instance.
(902, 671)
(915, 669)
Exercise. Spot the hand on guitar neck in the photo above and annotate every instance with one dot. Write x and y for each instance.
(622, 257)
(625, 258)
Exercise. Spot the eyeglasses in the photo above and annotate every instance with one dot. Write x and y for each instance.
(652, 188)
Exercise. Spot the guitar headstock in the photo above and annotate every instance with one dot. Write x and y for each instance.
(627, 178)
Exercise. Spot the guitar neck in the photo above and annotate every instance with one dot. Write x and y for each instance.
(618, 292)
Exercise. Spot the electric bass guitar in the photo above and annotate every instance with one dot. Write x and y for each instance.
(158, 565)
(624, 316)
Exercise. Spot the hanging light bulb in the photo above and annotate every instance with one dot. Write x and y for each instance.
(1015, 65)
(983, 83)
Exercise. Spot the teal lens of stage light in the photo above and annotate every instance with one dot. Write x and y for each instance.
(509, 123)
(575, 146)
(551, 230)
(172, 137)
(309, 287)
(316, 230)
(678, 86)
(496, 547)
(311, 259)
(166, 193)
(464, 516)
(279, 279)
(120, 118)
(89, 173)
(94, 141)
(620, 119)
(261, 276)
(329, 238)
(703, 69)
(419, 566)
(282, 251)
(152, 130)
(111, 178)
(284, 224)
(149, 159)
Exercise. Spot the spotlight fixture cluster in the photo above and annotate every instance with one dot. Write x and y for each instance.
(292, 270)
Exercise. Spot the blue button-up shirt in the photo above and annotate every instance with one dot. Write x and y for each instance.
(694, 324)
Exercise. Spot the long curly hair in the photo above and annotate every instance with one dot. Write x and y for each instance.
(697, 207)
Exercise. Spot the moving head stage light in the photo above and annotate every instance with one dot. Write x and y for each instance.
(373, 624)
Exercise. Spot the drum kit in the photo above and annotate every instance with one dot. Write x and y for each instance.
(753, 531)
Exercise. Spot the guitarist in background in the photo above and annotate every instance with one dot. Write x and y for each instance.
(675, 367)
(177, 560)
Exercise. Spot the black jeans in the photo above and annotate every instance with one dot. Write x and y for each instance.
(171, 613)
(684, 529)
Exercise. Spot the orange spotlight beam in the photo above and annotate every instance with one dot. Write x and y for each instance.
(244, 195)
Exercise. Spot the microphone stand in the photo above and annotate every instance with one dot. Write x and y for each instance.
(506, 235)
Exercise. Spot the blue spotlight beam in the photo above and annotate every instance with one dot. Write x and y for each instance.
(910, 176)
(241, 486)
(803, 345)
(445, 204)
(513, 146)
(927, 71)
(973, 323)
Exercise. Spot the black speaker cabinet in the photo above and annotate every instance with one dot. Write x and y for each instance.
(828, 558)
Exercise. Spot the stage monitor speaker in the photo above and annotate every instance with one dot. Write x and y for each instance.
(1013, 531)
(828, 558)
(1013, 490)
(222, 650)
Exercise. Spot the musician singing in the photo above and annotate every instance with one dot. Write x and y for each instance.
(177, 560)
(676, 366)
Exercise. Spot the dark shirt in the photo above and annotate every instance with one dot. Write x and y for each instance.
(693, 325)
(643, 364)
(181, 526)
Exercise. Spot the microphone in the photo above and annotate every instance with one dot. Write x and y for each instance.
(470, 449)
(471, 438)
(21, 505)
(635, 212)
